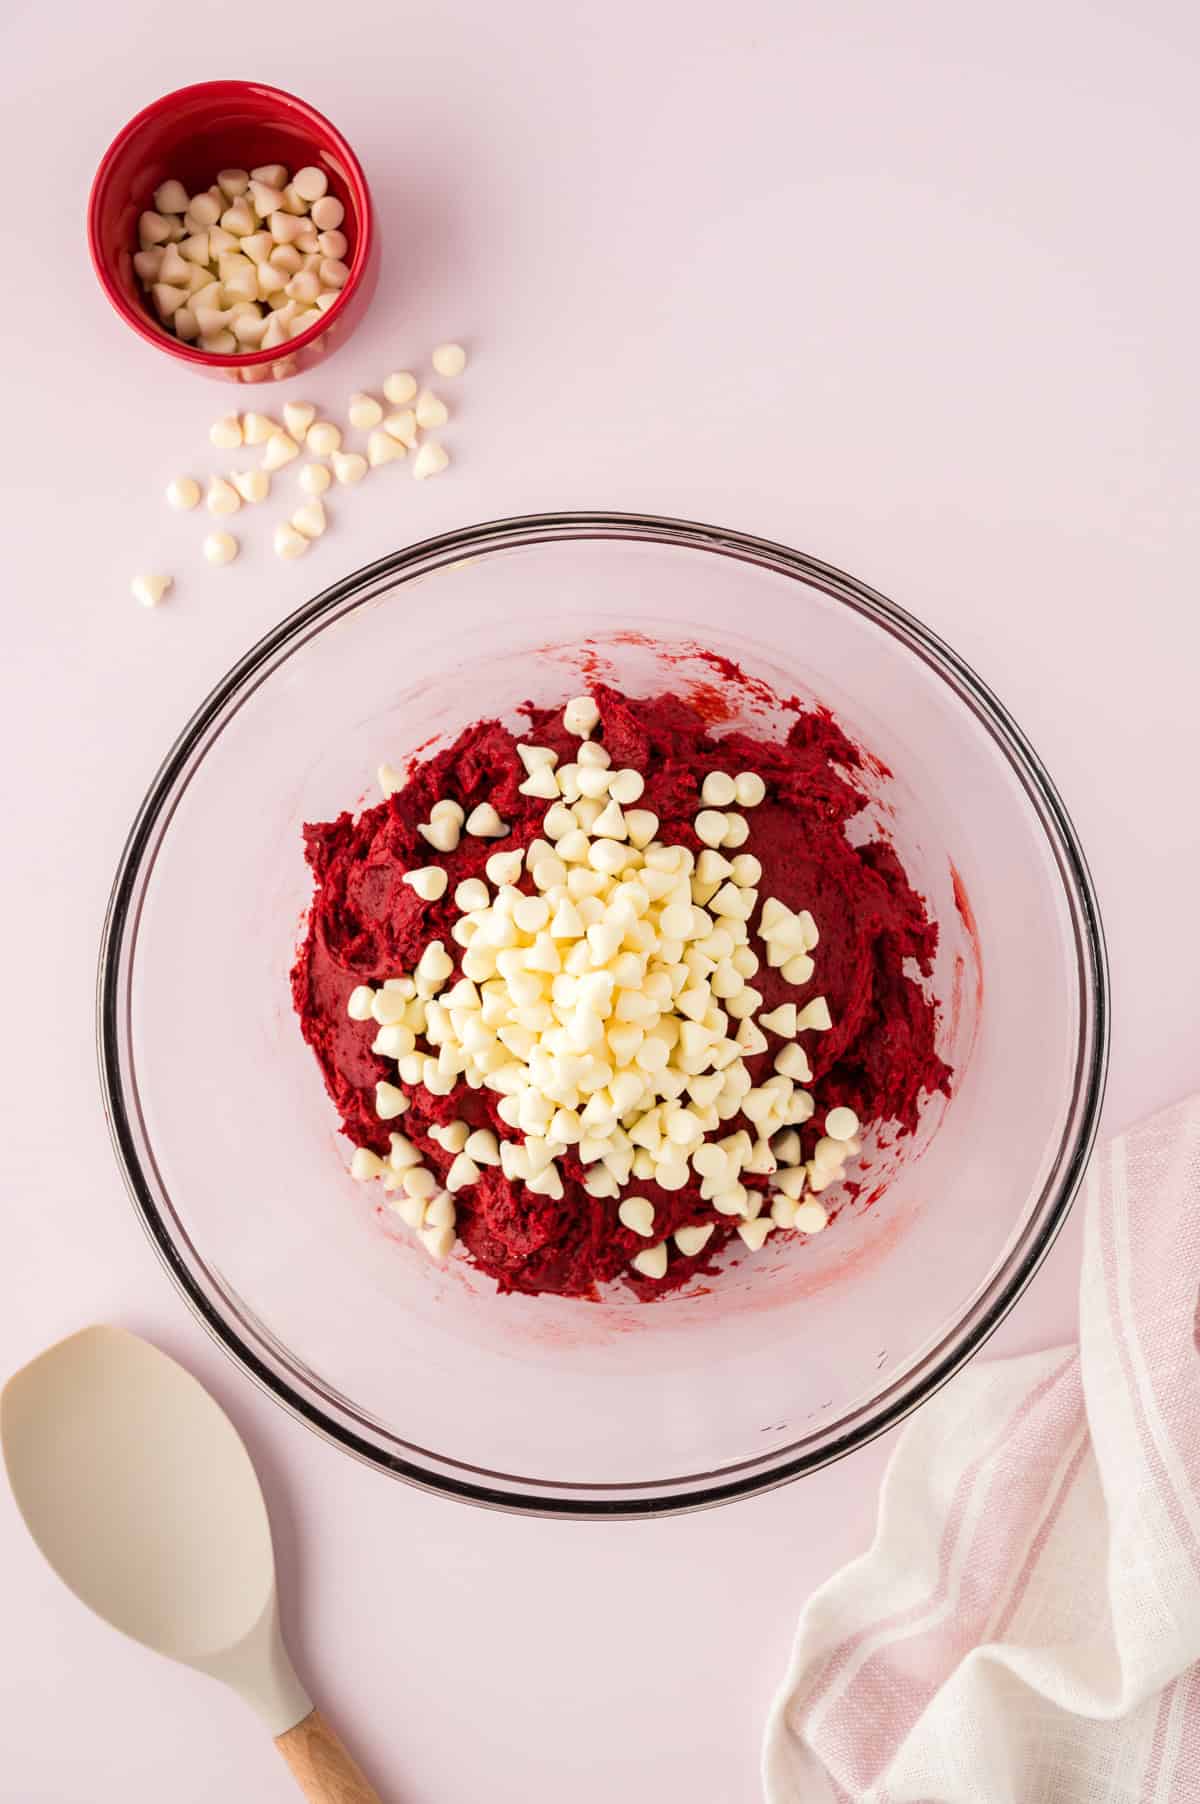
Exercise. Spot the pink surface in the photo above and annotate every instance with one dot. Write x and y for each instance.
(911, 289)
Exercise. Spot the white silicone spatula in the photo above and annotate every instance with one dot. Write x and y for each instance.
(137, 1488)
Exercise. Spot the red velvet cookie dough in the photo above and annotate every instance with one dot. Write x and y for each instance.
(367, 925)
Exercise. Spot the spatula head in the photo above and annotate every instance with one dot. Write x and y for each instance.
(139, 1492)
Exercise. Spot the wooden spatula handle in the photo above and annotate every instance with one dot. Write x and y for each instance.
(320, 1765)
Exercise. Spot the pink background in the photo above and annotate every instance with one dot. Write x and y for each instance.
(913, 288)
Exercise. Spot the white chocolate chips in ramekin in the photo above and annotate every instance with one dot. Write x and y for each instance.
(318, 447)
(247, 264)
(611, 1011)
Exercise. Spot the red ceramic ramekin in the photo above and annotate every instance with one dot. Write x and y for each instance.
(191, 134)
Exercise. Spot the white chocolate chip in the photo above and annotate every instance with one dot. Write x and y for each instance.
(382, 448)
(637, 1214)
(749, 789)
(400, 387)
(252, 485)
(691, 1241)
(172, 197)
(389, 1101)
(233, 182)
(754, 1233)
(810, 1217)
(183, 493)
(815, 1015)
(348, 466)
(310, 518)
(361, 1003)
(430, 460)
(485, 823)
(364, 411)
(310, 183)
(711, 827)
(315, 479)
(781, 1020)
(327, 213)
(841, 1124)
(323, 438)
(329, 244)
(471, 893)
(149, 588)
(280, 449)
(365, 1165)
(298, 416)
(288, 542)
(220, 548)
(402, 426)
(449, 359)
(152, 229)
(581, 716)
(167, 299)
(222, 497)
(257, 428)
(431, 410)
(652, 1263)
(429, 881)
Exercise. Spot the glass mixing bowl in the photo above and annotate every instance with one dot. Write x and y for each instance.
(790, 1357)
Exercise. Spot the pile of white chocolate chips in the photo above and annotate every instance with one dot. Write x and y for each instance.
(611, 1010)
(246, 264)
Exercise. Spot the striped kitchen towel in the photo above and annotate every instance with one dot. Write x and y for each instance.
(1026, 1627)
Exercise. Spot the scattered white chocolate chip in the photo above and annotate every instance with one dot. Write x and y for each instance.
(400, 387)
(298, 416)
(183, 492)
(220, 548)
(280, 449)
(315, 479)
(365, 1164)
(348, 466)
(288, 542)
(252, 485)
(149, 588)
(222, 497)
(430, 460)
(257, 428)
(755, 1232)
(691, 1241)
(402, 426)
(364, 412)
(431, 410)
(382, 448)
(225, 433)
(310, 518)
(449, 359)
(323, 438)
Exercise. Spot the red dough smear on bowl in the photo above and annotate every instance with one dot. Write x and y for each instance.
(597, 1000)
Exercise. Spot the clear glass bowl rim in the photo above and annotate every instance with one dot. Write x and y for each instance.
(956, 1345)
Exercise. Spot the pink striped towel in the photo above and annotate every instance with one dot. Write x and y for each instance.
(1026, 1627)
